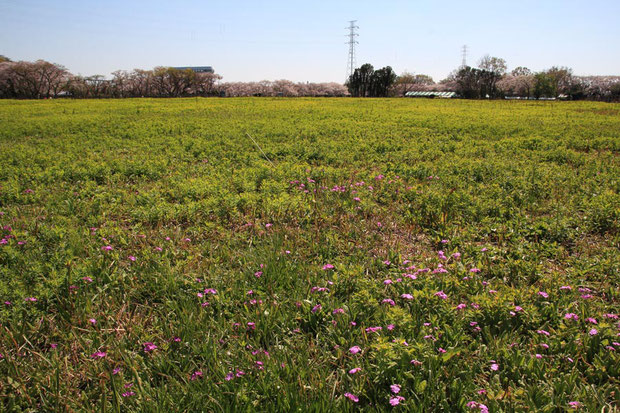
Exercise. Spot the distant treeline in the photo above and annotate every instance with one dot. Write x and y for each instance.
(492, 80)
(41, 79)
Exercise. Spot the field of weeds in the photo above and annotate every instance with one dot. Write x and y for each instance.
(414, 255)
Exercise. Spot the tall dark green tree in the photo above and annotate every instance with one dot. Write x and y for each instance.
(382, 81)
(367, 82)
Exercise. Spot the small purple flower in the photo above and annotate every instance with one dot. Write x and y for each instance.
(395, 388)
(441, 295)
(352, 397)
(328, 267)
(395, 401)
(355, 350)
(148, 346)
(593, 332)
(355, 370)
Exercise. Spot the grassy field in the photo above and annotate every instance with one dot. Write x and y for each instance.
(415, 255)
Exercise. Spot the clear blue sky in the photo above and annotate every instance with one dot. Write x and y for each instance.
(305, 40)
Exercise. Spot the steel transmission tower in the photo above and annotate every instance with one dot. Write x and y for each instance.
(464, 54)
(352, 42)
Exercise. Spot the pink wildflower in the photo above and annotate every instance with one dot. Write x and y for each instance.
(395, 401)
(352, 397)
(395, 388)
(355, 350)
(441, 295)
(355, 370)
(148, 346)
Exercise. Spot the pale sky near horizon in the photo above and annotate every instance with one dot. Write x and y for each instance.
(305, 41)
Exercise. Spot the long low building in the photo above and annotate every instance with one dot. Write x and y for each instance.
(428, 94)
(197, 69)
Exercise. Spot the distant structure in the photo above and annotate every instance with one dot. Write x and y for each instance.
(352, 42)
(427, 94)
(197, 69)
(464, 55)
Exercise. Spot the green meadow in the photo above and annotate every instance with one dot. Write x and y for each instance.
(310, 254)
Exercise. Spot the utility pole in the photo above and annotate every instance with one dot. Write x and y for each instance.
(352, 42)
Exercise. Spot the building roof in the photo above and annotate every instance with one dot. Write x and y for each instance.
(416, 94)
(197, 69)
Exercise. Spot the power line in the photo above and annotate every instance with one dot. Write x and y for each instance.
(352, 42)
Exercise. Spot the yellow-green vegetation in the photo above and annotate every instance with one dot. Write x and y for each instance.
(420, 255)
